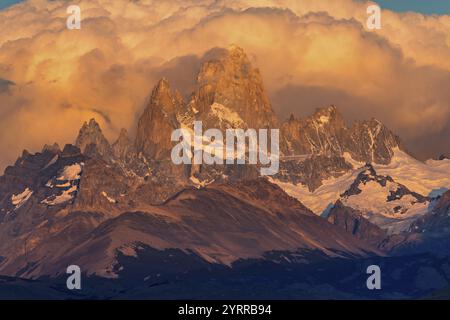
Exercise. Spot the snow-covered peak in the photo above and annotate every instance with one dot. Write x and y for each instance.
(431, 178)
(379, 197)
(384, 201)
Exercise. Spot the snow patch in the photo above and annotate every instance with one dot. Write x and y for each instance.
(324, 119)
(66, 196)
(71, 173)
(355, 164)
(399, 223)
(111, 200)
(200, 184)
(52, 162)
(20, 199)
(194, 110)
(227, 115)
(68, 182)
(395, 215)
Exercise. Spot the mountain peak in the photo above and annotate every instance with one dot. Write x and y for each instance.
(164, 97)
(232, 82)
(162, 85)
(123, 146)
(92, 125)
(237, 52)
(156, 124)
(51, 148)
(328, 115)
(235, 48)
(325, 132)
(91, 135)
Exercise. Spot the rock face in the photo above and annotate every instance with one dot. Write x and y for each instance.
(312, 170)
(157, 123)
(91, 140)
(231, 90)
(354, 223)
(371, 141)
(325, 133)
(123, 148)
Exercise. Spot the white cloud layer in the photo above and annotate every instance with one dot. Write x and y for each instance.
(310, 52)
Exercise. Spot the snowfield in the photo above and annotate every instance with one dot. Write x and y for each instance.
(430, 178)
(373, 198)
(324, 196)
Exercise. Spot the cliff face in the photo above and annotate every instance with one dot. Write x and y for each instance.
(231, 90)
(353, 222)
(91, 140)
(325, 133)
(156, 124)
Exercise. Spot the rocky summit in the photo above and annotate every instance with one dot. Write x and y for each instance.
(325, 133)
(90, 140)
(156, 124)
(230, 92)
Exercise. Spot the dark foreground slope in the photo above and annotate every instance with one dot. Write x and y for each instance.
(173, 274)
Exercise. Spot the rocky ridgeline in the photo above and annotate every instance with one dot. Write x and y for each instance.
(230, 94)
(325, 133)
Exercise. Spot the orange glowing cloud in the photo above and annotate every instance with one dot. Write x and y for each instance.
(310, 52)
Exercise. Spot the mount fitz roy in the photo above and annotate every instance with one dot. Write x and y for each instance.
(123, 210)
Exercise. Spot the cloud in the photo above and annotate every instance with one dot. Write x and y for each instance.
(310, 53)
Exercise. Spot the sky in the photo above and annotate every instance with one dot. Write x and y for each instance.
(422, 6)
(311, 53)
(7, 3)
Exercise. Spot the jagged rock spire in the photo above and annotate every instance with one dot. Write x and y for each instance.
(231, 81)
(156, 124)
(91, 136)
(325, 133)
(123, 147)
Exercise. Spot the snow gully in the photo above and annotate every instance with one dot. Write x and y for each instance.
(209, 147)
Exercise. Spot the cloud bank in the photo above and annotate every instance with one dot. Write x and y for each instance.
(311, 53)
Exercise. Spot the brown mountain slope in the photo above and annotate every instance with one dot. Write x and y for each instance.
(222, 223)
